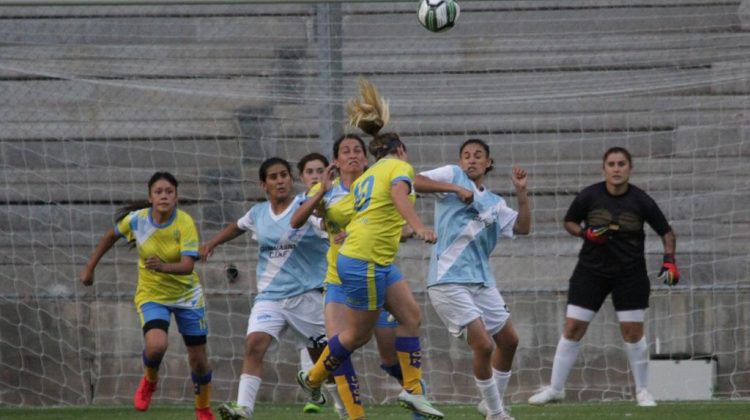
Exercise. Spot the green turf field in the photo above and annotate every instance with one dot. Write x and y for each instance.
(620, 410)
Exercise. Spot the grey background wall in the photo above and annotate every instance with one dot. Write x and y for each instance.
(96, 98)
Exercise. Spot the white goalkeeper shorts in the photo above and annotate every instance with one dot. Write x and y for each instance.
(303, 313)
(458, 305)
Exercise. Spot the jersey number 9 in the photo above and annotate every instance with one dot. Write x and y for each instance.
(362, 194)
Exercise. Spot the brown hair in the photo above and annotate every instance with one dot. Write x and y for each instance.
(617, 149)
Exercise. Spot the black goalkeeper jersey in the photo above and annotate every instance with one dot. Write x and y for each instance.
(624, 215)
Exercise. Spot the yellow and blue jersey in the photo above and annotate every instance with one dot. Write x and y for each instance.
(170, 241)
(339, 208)
(375, 229)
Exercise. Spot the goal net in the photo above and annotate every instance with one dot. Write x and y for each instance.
(96, 97)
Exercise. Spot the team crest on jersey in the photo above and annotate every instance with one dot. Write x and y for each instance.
(176, 235)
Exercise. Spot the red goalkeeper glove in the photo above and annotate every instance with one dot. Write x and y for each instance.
(669, 273)
(595, 235)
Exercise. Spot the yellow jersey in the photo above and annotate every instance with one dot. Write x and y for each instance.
(374, 232)
(338, 204)
(168, 241)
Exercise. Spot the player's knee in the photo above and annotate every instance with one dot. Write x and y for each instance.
(482, 348)
(255, 347)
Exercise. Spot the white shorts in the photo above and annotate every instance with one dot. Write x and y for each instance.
(458, 305)
(304, 313)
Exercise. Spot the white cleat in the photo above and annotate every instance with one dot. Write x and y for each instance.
(482, 407)
(644, 399)
(546, 396)
(233, 411)
(419, 405)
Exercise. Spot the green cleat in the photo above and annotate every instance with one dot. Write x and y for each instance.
(233, 411)
(312, 408)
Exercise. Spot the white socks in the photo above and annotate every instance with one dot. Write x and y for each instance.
(501, 379)
(249, 386)
(565, 357)
(488, 391)
(638, 358)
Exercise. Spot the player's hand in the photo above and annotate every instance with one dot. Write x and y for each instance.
(204, 252)
(339, 238)
(427, 235)
(86, 276)
(669, 273)
(406, 233)
(519, 177)
(595, 235)
(153, 263)
(466, 196)
(326, 183)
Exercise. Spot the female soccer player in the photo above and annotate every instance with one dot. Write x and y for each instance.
(332, 199)
(311, 168)
(167, 244)
(383, 198)
(290, 271)
(609, 217)
(470, 219)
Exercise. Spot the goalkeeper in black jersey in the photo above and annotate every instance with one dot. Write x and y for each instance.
(609, 217)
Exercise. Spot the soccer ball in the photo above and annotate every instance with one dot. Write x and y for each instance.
(438, 15)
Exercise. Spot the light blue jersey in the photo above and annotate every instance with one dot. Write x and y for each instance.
(290, 261)
(468, 232)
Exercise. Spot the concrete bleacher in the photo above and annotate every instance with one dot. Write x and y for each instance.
(94, 99)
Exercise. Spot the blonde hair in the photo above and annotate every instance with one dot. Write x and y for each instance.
(370, 113)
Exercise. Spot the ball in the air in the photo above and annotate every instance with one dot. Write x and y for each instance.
(438, 15)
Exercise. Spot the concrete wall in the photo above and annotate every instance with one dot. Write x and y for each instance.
(94, 99)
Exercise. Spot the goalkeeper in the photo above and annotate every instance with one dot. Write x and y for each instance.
(609, 217)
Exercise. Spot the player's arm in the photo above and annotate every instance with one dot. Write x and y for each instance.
(184, 266)
(400, 197)
(669, 272)
(307, 208)
(229, 232)
(423, 184)
(105, 244)
(520, 182)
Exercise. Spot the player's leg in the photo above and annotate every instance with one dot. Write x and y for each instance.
(265, 324)
(345, 389)
(193, 327)
(401, 304)
(365, 293)
(586, 294)
(155, 324)
(630, 297)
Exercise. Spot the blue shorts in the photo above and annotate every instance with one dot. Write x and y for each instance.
(365, 282)
(335, 293)
(189, 321)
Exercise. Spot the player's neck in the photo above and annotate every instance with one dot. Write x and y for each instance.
(348, 178)
(617, 190)
(278, 205)
(160, 217)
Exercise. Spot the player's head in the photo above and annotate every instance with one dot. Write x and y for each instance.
(276, 178)
(370, 113)
(311, 168)
(617, 164)
(474, 158)
(350, 154)
(162, 192)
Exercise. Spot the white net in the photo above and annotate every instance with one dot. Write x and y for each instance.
(97, 98)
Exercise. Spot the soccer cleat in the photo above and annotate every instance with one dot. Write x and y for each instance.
(313, 408)
(316, 395)
(419, 404)
(142, 397)
(644, 399)
(204, 414)
(233, 411)
(546, 396)
(502, 415)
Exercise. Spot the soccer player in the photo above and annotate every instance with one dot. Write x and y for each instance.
(470, 219)
(383, 199)
(331, 198)
(167, 244)
(290, 271)
(609, 217)
(311, 168)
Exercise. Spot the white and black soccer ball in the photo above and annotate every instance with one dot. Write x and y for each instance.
(438, 15)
